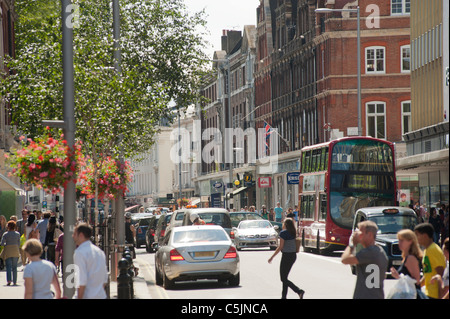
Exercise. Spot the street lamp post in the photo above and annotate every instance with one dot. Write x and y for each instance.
(119, 202)
(69, 134)
(357, 11)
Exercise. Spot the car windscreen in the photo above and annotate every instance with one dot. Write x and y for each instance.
(393, 224)
(255, 224)
(219, 219)
(199, 235)
(144, 221)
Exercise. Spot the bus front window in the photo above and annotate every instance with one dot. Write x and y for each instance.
(343, 206)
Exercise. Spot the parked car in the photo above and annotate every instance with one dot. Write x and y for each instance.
(390, 220)
(155, 235)
(255, 233)
(237, 217)
(211, 216)
(141, 222)
(196, 252)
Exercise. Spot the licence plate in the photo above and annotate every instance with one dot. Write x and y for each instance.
(204, 254)
(397, 262)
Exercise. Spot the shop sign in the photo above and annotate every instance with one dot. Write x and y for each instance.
(265, 182)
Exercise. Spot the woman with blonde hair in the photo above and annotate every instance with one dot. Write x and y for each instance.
(412, 256)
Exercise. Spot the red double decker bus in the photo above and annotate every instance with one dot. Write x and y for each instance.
(336, 179)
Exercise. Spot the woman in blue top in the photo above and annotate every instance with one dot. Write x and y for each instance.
(288, 249)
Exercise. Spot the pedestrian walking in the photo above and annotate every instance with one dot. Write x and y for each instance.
(31, 230)
(271, 214)
(20, 225)
(443, 282)
(39, 275)
(59, 253)
(278, 213)
(288, 248)
(130, 233)
(264, 212)
(436, 221)
(296, 213)
(10, 254)
(3, 229)
(42, 227)
(411, 256)
(433, 262)
(371, 262)
(51, 238)
(90, 261)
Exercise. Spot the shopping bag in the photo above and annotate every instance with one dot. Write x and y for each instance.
(405, 288)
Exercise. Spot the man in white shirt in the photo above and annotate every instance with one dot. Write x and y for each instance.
(90, 260)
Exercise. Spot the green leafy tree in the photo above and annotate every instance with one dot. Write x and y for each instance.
(162, 62)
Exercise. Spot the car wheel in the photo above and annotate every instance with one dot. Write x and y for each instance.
(235, 280)
(158, 277)
(167, 283)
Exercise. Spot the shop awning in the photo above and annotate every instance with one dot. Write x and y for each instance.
(237, 191)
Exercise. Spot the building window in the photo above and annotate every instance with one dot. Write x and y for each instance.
(406, 58)
(406, 117)
(375, 60)
(376, 119)
(400, 7)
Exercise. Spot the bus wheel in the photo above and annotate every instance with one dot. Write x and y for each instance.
(318, 244)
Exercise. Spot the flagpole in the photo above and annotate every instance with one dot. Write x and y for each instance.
(276, 131)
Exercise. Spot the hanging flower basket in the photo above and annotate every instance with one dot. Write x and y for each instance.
(46, 162)
(113, 179)
(182, 202)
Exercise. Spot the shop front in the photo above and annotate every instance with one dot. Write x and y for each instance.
(424, 178)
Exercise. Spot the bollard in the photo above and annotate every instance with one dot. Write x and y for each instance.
(127, 255)
(123, 280)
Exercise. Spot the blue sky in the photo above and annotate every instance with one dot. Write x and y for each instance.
(224, 15)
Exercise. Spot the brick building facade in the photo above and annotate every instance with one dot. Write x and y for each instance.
(306, 77)
(310, 61)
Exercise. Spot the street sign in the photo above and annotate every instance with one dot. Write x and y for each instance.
(215, 200)
(293, 178)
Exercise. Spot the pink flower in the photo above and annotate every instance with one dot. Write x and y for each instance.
(43, 174)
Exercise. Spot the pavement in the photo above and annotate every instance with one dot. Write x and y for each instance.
(17, 292)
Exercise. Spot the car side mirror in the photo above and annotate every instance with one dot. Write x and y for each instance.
(155, 246)
(276, 227)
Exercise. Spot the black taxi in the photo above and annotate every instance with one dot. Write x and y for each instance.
(390, 220)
